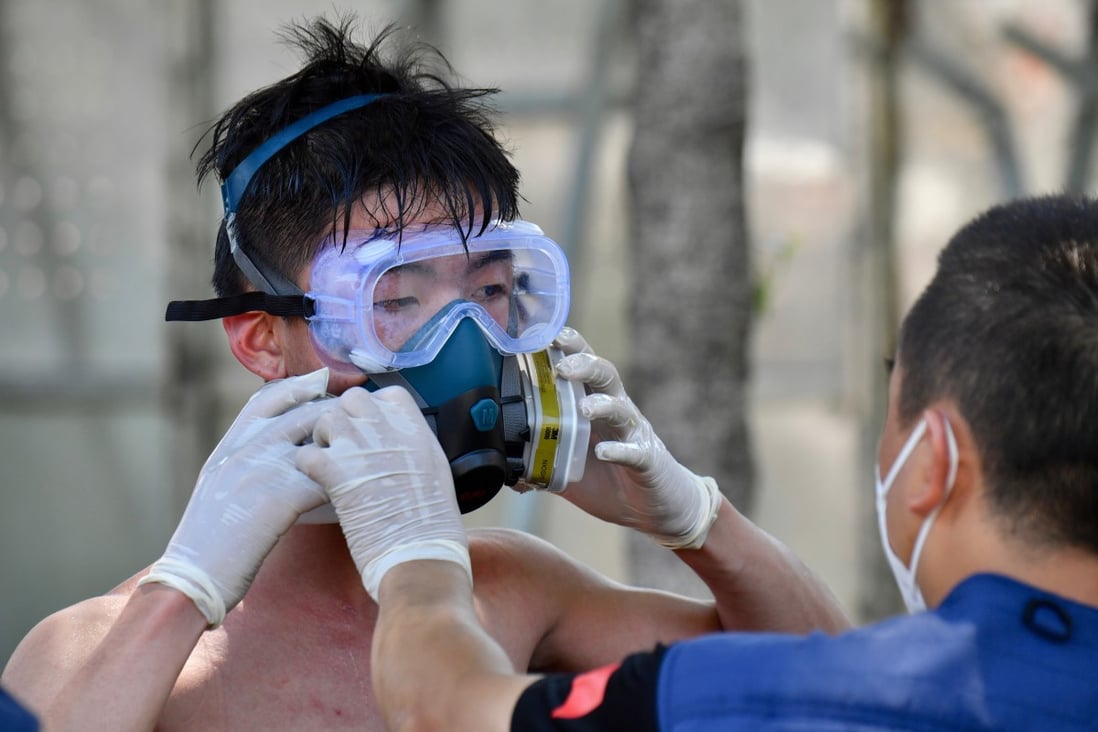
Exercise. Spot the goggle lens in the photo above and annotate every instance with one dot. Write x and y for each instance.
(394, 303)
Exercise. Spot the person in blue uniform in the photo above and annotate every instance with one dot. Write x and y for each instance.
(14, 717)
(987, 498)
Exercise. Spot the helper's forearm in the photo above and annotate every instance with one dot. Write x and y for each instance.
(441, 669)
(128, 678)
(759, 584)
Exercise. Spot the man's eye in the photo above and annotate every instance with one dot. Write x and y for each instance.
(395, 304)
(489, 292)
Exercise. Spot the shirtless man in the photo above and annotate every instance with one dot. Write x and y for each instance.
(256, 616)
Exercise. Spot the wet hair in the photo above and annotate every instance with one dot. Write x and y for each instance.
(1008, 330)
(427, 143)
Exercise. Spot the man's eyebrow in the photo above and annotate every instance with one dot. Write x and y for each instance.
(413, 267)
(476, 262)
(487, 258)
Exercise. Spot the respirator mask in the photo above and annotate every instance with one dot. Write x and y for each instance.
(467, 328)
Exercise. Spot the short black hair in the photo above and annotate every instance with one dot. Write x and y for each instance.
(427, 142)
(1008, 330)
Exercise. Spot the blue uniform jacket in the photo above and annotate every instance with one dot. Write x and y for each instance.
(13, 717)
(996, 655)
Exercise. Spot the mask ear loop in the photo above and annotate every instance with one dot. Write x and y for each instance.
(897, 464)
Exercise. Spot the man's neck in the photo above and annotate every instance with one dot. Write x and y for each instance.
(1067, 572)
(1070, 573)
(314, 559)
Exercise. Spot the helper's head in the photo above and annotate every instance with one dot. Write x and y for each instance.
(1007, 333)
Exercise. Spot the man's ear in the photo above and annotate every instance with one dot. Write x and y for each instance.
(254, 342)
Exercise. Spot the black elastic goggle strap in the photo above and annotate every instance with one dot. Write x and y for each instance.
(281, 305)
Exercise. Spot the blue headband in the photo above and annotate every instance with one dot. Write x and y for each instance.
(236, 183)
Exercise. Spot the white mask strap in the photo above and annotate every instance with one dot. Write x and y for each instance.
(924, 531)
(905, 452)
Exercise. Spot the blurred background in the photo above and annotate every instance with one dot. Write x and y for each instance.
(782, 171)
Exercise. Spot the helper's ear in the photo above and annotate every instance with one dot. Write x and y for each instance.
(933, 489)
(254, 341)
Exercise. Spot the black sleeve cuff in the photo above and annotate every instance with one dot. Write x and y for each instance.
(615, 697)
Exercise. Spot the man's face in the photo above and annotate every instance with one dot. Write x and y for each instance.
(407, 296)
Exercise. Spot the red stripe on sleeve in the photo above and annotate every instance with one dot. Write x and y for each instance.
(588, 691)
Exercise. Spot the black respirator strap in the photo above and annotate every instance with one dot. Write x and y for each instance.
(281, 305)
(395, 378)
(280, 295)
(515, 424)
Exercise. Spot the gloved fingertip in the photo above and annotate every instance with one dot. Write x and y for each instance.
(564, 368)
(577, 366)
(620, 453)
(598, 406)
(355, 400)
(571, 341)
(567, 334)
(395, 393)
(316, 381)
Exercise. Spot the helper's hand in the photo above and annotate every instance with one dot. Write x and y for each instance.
(634, 482)
(247, 495)
(390, 483)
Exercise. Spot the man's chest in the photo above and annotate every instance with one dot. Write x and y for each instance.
(299, 673)
(284, 677)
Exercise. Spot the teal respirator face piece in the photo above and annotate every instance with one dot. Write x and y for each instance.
(501, 420)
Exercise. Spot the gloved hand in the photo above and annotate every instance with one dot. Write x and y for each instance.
(389, 481)
(640, 485)
(247, 495)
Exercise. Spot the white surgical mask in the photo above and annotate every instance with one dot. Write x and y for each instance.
(905, 576)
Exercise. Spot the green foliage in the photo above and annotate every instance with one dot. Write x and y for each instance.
(774, 263)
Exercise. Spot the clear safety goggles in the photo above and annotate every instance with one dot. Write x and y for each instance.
(389, 302)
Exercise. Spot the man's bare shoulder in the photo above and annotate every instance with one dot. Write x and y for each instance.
(587, 618)
(58, 645)
(515, 557)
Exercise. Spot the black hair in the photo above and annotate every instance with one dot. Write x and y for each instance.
(1008, 330)
(426, 143)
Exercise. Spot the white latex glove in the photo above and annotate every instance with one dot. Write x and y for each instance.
(642, 486)
(390, 483)
(247, 495)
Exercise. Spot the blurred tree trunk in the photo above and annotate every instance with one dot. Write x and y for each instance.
(876, 270)
(189, 392)
(692, 286)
